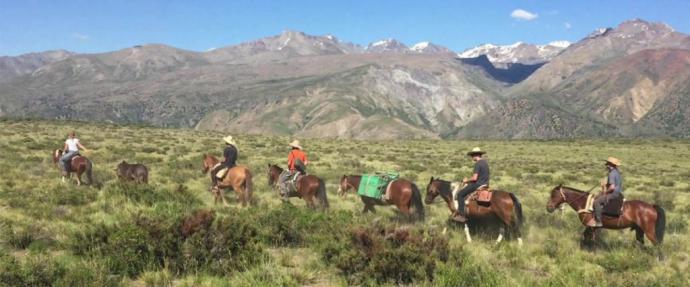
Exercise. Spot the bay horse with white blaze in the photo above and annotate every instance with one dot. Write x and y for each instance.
(503, 205)
(78, 164)
(403, 194)
(644, 218)
(238, 178)
(307, 187)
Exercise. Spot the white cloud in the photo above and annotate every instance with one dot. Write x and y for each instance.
(567, 25)
(80, 36)
(211, 49)
(523, 15)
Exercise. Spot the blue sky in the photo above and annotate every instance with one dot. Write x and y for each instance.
(103, 25)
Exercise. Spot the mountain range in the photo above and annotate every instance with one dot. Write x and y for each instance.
(627, 81)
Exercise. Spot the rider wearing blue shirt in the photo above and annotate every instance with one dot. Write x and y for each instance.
(613, 189)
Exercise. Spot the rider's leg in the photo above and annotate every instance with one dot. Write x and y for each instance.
(65, 160)
(599, 208)
(462, 194)
(214, 178)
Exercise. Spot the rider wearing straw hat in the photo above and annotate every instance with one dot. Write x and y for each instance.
(230, 155)
(613, 190)
(480, 177)
(297, 164)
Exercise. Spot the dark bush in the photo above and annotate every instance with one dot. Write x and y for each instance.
(379, 255)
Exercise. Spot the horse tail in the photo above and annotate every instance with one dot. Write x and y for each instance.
(660, 227)
(518, 210)
(417, 201)
(89, 171)
(248, 185)
(321, 194)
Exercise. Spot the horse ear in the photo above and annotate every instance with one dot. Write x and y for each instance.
(431, 180)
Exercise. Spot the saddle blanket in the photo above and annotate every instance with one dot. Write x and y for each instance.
(612, 208)
(221, 173)
(375, 185)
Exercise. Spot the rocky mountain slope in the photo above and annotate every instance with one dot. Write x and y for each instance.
(631, 80)
(614, 82)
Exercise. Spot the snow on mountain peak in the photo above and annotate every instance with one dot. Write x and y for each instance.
(560, 44)
(519, 52)
(420, 46)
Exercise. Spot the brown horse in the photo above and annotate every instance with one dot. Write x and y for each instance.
(238, 178)
(78, 164)
(403, 194)
(504, 205)
(644, 218)
(308, 187)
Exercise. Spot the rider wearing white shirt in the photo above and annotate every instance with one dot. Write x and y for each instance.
(71, 148)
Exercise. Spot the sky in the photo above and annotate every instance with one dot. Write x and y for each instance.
(106, 25)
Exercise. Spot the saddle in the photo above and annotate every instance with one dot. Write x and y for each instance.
(482, 195)
(68, 164)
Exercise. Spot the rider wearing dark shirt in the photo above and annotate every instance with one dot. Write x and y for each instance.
(230, 155)
(479, 177)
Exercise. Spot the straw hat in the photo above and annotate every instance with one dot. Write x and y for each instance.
(613, 161)
(476, 150)
(229, 140)
(295, 144)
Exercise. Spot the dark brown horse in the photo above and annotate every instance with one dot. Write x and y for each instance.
(79, 165)
(504, 205)
(403, 194)
(644, 218)
(308, 187)
(136, 172)
(238, 178)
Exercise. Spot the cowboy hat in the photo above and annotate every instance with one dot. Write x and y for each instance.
(295, 144)
(613, 161)
(229, 140)
(476, 150)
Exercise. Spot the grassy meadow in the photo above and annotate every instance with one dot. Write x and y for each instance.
(120, 234)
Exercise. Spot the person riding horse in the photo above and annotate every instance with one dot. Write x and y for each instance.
(613, 190)
(71, 149)
(297, 165)
(479, 178)
(230, 155)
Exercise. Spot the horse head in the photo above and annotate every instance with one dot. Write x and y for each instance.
(344, 186)
(56, 155)
(556, 199)
(208, 163)
(273, 173)
(433, 189)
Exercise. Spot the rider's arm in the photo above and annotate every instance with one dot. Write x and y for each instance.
(82, 147)
(64, 148)
(471, 179)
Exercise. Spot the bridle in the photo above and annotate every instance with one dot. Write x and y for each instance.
(565, 199)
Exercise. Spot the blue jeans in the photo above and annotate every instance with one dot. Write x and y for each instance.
(460, 197)
(64, 160)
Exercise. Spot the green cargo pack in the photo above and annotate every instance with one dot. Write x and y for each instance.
(374, 185)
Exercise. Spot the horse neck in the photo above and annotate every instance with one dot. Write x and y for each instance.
(211, 160)
(575, 198)
(354, 180)
(445, 191)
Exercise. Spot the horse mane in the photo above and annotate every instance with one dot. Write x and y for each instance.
(573, 189)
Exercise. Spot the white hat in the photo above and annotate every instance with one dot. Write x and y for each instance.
(476, 150)
(229, 140)
(295, 144)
